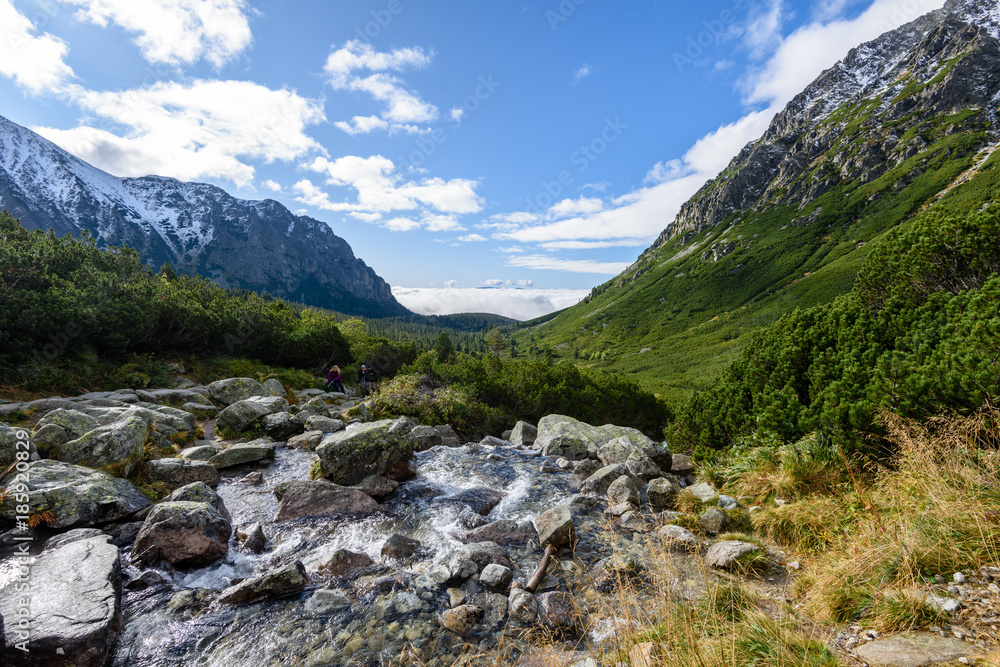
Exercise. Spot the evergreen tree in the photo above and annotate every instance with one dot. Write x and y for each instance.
(444, 348)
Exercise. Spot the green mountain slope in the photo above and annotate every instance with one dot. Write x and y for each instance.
(904, 123)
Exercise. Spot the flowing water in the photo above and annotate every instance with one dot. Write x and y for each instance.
(380, 614)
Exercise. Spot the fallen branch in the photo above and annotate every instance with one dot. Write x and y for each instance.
(539, 574)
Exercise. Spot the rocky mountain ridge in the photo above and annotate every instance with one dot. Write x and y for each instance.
(843, 127)
(198, 228)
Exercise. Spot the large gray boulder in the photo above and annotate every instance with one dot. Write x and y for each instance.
(282, 425)
(563, 436)
(289, 580)
(76, 496)
(324, 424)
(244, 453)
(234, 390)
(274, 386)
(315, 406)
(374, 448)
(523, 434)
(119, 444)
(73, 422)
(555, 527)
(75, 608)
(624, 491)
(424, 438)
(300, 498)
(199, 492)
(448, 436)
(598, 483)
(242, 415)
(13, 441)
(663, 492)
(180, 472)
(624, 442)
(185, 533)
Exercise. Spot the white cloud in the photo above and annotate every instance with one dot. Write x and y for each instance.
(520, 304)
(472, 238)
(362, 125)
(582, 73)
(401, 224)
(594, 245)
(176, 32)
(401, 106)
(381, 189)
(763, 32)
(273, 186)
(550, 263)
(441, 223)
(664, 171)
(191, 131)
(35, 62)
(567, 207)
(495, 282)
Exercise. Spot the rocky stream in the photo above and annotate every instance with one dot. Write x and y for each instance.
(300, 531)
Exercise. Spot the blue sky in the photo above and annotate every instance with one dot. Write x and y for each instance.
(533, 148)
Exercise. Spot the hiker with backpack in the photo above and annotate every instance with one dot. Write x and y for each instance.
(366, 379)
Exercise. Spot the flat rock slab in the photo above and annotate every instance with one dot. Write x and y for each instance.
(181, 472)
(914, 649)
(75, 610)
(247, 452)
(301, 498)
(75, 495)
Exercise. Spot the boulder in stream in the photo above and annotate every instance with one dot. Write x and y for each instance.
(374, 448)
(505, 532)
(299, 498)
(289, 580)
(244, 453)
(479, 499)
(185, 533)
(75, 611)
(523, 434)
(555, 526)
(344, 564)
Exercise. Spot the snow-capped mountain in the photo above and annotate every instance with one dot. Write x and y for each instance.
(198, 228)
(867, 114)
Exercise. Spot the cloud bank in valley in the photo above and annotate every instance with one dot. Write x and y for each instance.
(520, 304)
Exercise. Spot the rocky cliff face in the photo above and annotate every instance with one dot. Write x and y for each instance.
(198, 228)
(864, 116)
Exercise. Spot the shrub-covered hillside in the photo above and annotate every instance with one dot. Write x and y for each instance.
(918, 334)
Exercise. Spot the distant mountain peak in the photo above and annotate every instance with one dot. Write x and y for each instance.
(945, 61)
(197, 227)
